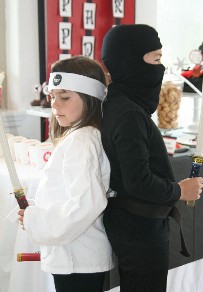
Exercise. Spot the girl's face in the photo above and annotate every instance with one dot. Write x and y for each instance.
(67, 106)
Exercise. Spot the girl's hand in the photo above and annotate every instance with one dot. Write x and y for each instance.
(21, 217)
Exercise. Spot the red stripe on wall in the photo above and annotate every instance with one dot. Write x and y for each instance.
(104, 21)
(77, 27)
(129, 11)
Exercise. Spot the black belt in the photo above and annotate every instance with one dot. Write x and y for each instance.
(140, 209)
(151, 211)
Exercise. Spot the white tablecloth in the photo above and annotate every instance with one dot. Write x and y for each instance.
(15, 276)
(27, 276)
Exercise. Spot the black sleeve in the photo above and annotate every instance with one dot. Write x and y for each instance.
(131, 138)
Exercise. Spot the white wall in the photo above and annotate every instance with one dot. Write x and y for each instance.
(146, 12)
(2, 45)
(180, 27)
(22, 58)
(179, 24)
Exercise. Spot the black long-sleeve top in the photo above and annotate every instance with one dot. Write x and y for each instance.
(140, 167)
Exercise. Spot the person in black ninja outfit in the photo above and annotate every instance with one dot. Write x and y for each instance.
(136, 219)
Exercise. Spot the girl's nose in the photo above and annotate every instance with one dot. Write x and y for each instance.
(55, 103)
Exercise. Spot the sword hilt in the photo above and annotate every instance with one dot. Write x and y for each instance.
(195, 172)
(21, 199)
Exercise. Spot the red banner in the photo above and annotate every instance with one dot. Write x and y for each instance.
(104, 21)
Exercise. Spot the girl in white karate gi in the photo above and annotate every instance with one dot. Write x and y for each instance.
(67, 219)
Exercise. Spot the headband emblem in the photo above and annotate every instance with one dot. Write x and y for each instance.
(57, 79)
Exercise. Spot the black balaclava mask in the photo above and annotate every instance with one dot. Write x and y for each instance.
(122, 53)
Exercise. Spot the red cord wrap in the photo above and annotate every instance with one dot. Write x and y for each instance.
(21, 199)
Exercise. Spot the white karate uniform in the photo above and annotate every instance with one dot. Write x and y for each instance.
(67, 219)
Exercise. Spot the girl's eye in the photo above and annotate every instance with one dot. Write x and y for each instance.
(52, 98)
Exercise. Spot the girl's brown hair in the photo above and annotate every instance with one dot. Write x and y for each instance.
(91, 115)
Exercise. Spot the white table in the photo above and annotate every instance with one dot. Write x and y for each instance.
(27, 276)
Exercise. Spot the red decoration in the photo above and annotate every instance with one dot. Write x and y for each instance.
(196, 72)
(104, 21)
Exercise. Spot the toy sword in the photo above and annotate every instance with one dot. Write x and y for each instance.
(197, 159)
(18, 191)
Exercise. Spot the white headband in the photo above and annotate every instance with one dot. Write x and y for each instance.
(78, 83)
